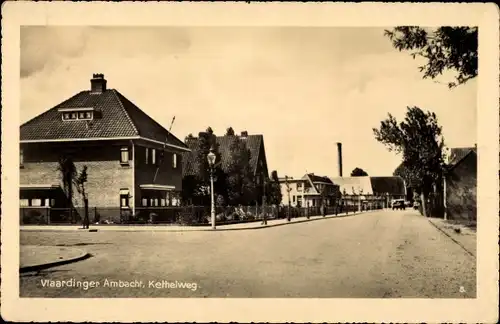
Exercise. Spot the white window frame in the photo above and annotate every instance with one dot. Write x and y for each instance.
(153, 156)
(174, 161)
(124, 149)
(147, 155)
(21, 157)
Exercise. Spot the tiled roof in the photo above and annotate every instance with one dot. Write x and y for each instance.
(391, 185)
(457, 154)
(316, 178)
(356, 183)
(253, 144)
(115, 116)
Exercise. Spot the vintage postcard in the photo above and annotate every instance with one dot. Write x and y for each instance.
(279, 162)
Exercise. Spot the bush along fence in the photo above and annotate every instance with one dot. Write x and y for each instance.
(185, 215)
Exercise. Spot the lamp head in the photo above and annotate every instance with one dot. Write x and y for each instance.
(211, 157)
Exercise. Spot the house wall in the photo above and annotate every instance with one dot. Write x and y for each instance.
(145, 173)
(461, 187)
(295, 192)
(106, 176)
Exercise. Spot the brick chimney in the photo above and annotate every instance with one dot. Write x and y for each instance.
(244, 134)
(339, 153)
(98, 83)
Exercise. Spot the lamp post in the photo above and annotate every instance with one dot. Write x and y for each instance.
(211, 163)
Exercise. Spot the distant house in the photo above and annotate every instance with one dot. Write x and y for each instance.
(461, 184)
(308, 191)
(368, 187)
(129, 163)
(254, 143)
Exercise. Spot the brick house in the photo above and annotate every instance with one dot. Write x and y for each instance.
(255, 145)
(460, 184)
(132, 160)
(307, 191)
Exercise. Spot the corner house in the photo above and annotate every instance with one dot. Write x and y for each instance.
(132, 160)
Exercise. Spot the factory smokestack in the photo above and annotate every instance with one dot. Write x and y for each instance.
(339, 153)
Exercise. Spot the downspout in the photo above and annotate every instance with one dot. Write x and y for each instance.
(133, 177)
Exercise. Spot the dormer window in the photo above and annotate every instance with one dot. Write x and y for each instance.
(77, 114)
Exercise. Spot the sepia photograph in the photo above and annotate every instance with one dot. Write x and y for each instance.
(248, 161)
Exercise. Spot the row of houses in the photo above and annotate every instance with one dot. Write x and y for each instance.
(309, 190)
(134, 162)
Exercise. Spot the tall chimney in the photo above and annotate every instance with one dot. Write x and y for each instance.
(339, 153)
(98, 83)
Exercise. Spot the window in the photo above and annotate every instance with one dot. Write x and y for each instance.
(314, 202)
(147, 155)
(21, 157)
(299, 186)
(78, 115)
(174, 161)
(162, 202)
(153, 156)
(124, 201)
(293, 198)
(24, 202)
(299, 201)
(36, 202)
(124, 155)
(144, 202)
(52, 202)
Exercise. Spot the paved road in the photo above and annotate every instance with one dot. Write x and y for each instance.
(374, 255)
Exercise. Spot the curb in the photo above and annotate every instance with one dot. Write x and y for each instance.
(287, 223)
(217, 229)
(44, 266)
(454, 240)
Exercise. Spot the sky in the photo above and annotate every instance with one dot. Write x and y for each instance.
(303, 88)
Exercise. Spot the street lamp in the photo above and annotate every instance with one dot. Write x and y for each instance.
(211, 163)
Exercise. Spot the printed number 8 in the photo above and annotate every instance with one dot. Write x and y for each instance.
(462, 289)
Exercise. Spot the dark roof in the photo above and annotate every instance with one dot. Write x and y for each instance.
(316, 178)
(457, 154)
(116, 116)
(391, 185)
(253, 144)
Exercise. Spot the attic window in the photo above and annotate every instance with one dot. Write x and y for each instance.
(77, 114)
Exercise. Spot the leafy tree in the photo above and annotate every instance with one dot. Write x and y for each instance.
(419, 140)
(275, 195)
(68, 172)
(239, 182)
(196, 188)
(358, 172)
(444, 48)
(230, 131)
(80, 182)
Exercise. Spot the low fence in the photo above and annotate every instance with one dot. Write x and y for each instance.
(185, 215)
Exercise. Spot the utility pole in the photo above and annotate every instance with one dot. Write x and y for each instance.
(288, 189)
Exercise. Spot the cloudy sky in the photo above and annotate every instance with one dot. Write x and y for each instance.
(303, 88)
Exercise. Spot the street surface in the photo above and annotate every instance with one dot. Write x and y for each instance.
(382, 254)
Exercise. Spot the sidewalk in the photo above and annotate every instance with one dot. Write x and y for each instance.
(178, 228)
(35, 257)
(466, 237)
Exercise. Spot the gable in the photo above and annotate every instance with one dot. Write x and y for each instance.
(254, 143)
